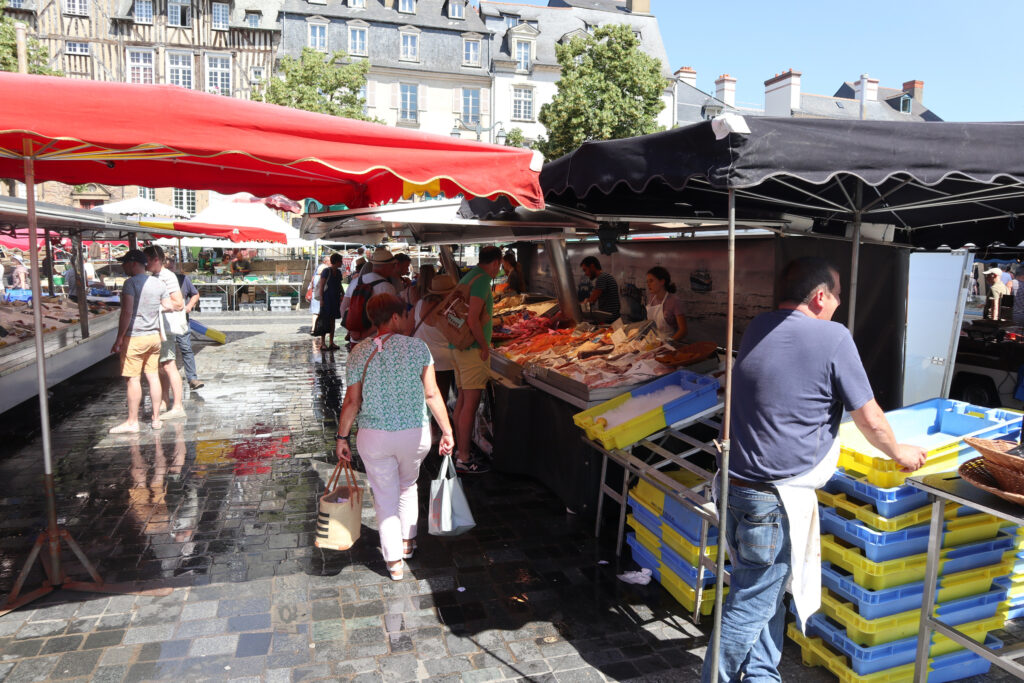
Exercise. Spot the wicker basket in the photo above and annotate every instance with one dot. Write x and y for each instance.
(976, 473)
(996, 452)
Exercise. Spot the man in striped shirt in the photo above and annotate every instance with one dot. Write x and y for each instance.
(604, 292)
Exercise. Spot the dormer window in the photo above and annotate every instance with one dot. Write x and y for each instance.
(456, 9)
(220, 16)
(522, 55)
(360, 4)
(252, 19)
(906, 104)
(407, 6)
(143, 11)
(410, 44)
(511, 20)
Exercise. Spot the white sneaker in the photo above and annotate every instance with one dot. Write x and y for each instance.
(175, 414)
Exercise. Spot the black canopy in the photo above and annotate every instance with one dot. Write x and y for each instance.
(936, 183)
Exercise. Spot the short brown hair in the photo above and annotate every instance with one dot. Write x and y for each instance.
(381, 307)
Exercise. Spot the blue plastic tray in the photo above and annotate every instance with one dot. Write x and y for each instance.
(683, 519)
(891, 502)
(683, 569)
(18, 295)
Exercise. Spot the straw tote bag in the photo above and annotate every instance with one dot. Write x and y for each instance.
(339, 520)
(452, 316)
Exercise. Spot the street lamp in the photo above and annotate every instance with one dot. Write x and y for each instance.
(460, 125)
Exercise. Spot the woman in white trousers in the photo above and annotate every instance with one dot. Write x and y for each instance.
(390, 386)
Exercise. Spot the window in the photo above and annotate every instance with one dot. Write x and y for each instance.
(357, 41)
(147, 193)
(16, 4)
(363, 96)
(220, 16)
(143, 11)
(76, 48)
(252, 19)
(471, 105)
(906, 104)
(179, 13)
(140, 66)
(256, 75)
(408, 105)
(511, 20)
(456, 10)
(78, 7)
(410, 47)
(185, 200)
(471, 52)
(522, 104)
(318, 37)
(357, 3)
(523, 55)
(218, 74)
(179, 69)
(407, 6)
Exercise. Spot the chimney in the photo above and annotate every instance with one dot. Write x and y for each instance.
(867, 91)
(915, 89)
(782, 94)
(638, 6)
(687, 75)
(725, 89)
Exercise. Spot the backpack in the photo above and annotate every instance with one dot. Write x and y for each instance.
(356, 319)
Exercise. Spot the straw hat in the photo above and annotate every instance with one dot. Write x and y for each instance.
(442, 284)
(381, 256)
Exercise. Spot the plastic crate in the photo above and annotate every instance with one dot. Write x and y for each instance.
(18, 295)
(645, 524)
(211, 304)
(865, 513)
(884, 602)
(954, 666)
(881, 546)
(684, 594)
(875, 575)
(938, 426)
(869, 660)
(888, 502)
(687, 571)
(870, 632)
(703, 393)
(682, 517)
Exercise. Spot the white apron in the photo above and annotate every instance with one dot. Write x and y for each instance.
(656, 312)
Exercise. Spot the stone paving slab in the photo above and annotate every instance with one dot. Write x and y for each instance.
(221, 508)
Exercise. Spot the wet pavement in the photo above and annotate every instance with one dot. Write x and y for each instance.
(222, 509)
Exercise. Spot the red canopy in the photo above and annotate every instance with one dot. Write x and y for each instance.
(235, 233)
(165, 136)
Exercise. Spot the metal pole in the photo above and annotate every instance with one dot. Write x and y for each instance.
(44, 402)
(49, 262)
(855, 256)
(723, 470)
(21, 46)
(558, 257)
(81, 286)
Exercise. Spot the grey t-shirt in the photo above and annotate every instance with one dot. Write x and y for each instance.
(147, 293)
(793, 377)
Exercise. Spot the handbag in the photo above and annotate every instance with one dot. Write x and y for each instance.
(339, 515)
(320, 327)
(452, 316)
(449, 511)
(177, 322)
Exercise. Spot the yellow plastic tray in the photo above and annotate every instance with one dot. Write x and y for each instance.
(677, 543)
(877, 575)
(654, 498)
(856, 454)
(865, 512)
(684, 594)
(814, 652)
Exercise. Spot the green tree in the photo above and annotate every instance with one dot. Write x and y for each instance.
(327, 84)
(38, 56)
(515, 138)
(608, 89)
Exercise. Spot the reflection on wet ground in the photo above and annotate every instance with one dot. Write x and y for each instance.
(222, 508)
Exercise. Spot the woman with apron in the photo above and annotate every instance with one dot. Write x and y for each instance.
(663, 307)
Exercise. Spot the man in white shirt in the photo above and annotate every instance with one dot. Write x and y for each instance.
(383, 268)
(170, 378)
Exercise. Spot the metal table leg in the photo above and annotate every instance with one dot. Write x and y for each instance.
(931, 575)
(600, 495)
(623, 497)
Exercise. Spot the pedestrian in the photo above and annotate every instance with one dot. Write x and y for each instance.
(170, 378)
(438, 287)
(314, 302)
(400, 278)
(138, 337)
(795, 374)
(374, 279)
(415, 293)
(357, 265)
(663, 306)
(329, 293)
(996, 290)
(190, 295)
(472, 365)
(604, 290)
(390, 387)
(22, 279)
(513, 273)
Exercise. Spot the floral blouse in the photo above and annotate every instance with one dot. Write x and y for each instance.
(393, 397)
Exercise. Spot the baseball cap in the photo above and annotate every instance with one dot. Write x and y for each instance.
(135, 255)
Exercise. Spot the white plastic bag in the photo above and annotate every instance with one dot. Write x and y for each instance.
(449, 511)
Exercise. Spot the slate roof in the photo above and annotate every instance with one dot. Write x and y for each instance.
(891, 96)
(429, 14)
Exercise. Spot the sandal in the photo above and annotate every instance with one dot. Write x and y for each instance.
(157, 425)
(471, 466)
(409, 547)
(397, 571)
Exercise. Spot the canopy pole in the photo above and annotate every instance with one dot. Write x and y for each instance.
(723, 470)
(81, 285)
(53, 535)
(558, 257)
(855, 255)
(49, 262)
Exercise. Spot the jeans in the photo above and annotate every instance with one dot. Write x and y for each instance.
(753, 616)
(188, 359)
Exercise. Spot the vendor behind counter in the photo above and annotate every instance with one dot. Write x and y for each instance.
(663, 306)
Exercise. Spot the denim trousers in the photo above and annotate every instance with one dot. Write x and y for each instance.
(188, 359)
(753, 615)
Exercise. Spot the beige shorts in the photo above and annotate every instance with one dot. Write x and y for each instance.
(470, 371)
(139, 355)
(168, 350)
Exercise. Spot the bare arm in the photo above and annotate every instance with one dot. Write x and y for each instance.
(193, 300)
(124, 322)
(872, 423)
(177, 302)
(167, 303)
(349, 410)
(595, 294)
(680, 327)
(476, 328)
(437, 408)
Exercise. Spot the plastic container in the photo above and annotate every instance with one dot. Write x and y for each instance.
(870, 632)
(954, 666)
(687, 571)
(18, 295)
(865, 513)
(644, 522)
(938, 426)
(875, 604)
(888, 502)
(683, 518)
(677, 588)
(881, 546)
(703, 393)
(875, 575)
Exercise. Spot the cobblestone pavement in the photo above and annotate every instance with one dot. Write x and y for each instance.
(221, 508)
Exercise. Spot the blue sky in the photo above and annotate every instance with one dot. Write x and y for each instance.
(965, 52)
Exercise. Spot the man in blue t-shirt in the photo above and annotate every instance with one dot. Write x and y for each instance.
(795, 374)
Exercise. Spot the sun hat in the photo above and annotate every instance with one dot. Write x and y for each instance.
(381, 256)
(442, 284)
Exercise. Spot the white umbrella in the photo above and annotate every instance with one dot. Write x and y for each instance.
(140, 206)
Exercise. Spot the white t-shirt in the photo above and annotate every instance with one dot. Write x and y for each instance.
(369, 278)
(434, 338)
(170, 280)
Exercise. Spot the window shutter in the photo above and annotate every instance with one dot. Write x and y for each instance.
(485, 102)
(421, 95)
(395, 95)
(457, 101)
(371, 94)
